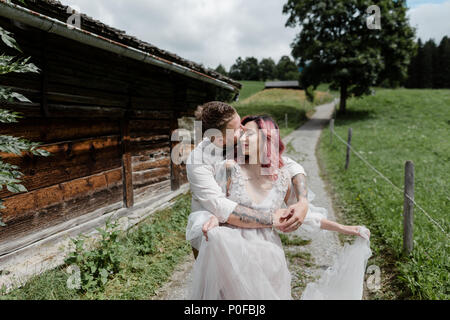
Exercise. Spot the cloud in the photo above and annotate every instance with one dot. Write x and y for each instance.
(204, 31)
(218, 31)
(431, 20)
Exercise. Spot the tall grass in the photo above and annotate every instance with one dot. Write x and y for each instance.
(389, 128)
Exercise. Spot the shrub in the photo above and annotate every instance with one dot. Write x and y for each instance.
(97, 265)
(310, 93)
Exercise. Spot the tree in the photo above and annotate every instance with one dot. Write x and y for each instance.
(435, 64)
(250, 69)
(287, 69)
(413, 79)
(267, 68)
(426, 69)
(336, 43)
(220, 69)
(9, 174)
(247, 69)
(236, 69)
(430, 66)
(443, 53)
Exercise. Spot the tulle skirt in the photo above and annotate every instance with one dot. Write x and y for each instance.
(238, 263)
(344, 280)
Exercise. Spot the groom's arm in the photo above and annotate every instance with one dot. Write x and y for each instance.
(206, 190)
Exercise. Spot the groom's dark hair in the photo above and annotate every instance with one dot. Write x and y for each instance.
(215, 115)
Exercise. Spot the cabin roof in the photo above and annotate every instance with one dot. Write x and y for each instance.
(56, 10)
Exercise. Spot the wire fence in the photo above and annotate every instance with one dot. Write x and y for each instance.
(391, 183)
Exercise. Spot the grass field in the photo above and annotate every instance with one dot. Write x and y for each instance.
(281, 102)
(389, 128)
(250, 88)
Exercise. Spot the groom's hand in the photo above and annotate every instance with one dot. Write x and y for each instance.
(296, 216)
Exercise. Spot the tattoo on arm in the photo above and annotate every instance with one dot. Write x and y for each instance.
(299, 182)
(248, 215)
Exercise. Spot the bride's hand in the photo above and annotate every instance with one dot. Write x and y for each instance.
(208, 225)
(279, 216)
(358, 231)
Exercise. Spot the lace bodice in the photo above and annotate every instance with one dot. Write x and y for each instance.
(237, 189)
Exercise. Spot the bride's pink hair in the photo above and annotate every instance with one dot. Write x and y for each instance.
(271, 158)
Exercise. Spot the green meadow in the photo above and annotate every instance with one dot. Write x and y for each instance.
(389, 128)
(288, 107)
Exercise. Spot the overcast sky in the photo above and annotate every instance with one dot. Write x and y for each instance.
(218, 31)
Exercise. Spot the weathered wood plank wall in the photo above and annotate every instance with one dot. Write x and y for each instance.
(107, 120)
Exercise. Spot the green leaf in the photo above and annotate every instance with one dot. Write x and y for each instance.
(20, 97)
(8, 39)
(16, 188)
(7, 116)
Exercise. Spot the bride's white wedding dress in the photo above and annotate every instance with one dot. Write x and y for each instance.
(241, 263)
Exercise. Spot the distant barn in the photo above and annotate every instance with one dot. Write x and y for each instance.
(282, 85)
(105, 105)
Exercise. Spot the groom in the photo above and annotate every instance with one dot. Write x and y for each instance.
(208, 198)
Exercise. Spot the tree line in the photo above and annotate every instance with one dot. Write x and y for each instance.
(430, 67)
(266, 69)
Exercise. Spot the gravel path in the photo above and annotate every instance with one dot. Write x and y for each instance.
(323, 245)
(309, 259)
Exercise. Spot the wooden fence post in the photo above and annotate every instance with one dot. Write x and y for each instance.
(408, 208)
(331, 130)
(349, 140)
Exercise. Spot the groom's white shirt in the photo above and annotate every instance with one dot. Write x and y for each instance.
(207, 196)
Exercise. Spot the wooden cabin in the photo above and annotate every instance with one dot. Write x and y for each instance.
(105, 105)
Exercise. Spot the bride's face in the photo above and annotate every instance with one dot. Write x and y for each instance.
(250, 140)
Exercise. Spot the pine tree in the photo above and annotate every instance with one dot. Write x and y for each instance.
(427, 64)
(443, 77)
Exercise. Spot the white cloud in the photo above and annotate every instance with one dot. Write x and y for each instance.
(218, 31)
(431, 20)
(204, 31)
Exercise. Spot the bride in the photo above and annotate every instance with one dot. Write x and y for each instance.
(236, 262)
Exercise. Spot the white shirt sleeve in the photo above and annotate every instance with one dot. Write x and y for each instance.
(206, 190)
(293, 167)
